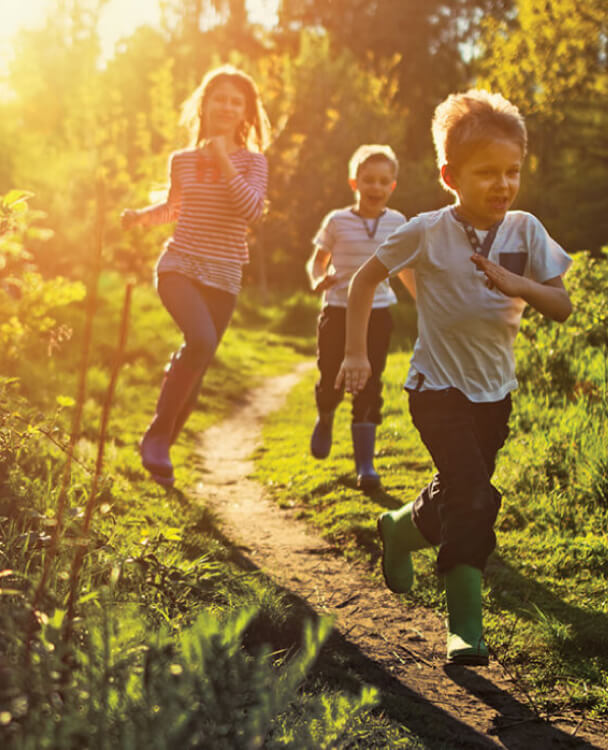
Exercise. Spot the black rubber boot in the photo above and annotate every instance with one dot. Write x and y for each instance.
(364, 442)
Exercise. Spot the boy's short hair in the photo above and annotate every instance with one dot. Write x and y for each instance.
(371, 152)
(464, 121)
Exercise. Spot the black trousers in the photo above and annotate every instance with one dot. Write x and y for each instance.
(331, 333)
(457, 510)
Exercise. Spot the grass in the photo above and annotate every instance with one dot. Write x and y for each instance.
(546, 610)
(156, 562)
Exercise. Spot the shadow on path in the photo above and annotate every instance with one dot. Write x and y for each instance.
(342, 665)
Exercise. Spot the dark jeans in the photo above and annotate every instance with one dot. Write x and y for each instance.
(457, 510)
(331, 334)
(202, 313)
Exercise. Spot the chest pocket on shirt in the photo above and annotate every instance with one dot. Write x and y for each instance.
(514, 262)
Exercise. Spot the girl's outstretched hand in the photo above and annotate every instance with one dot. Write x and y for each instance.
(353, 374)
(505, 281)
(129, 218)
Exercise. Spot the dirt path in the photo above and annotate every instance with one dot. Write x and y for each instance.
(384, 642)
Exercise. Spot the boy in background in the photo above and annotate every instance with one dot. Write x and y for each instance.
(477, 265)
(346, 239)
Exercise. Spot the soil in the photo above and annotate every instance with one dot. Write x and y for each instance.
(379, 639)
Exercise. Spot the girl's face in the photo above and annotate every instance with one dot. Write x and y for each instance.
(487, 182)
(225, 110)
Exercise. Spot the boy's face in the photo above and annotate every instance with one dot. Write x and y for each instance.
(375, 182)
(487, 182)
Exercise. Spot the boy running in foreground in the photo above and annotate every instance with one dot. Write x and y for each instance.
(477, 265)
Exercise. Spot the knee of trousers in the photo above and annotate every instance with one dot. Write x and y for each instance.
(327, 398)
(467, 527)
(468, 512)
(474, 549)
(198, 352)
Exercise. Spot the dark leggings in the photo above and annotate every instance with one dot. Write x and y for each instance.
(202, 313)
(457, 510)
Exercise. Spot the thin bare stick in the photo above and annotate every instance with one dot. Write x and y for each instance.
(105, 417)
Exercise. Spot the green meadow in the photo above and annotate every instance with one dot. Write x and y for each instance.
(545, 591)
(165, 635)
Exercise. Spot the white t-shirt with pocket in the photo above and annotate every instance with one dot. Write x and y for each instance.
(465, 330)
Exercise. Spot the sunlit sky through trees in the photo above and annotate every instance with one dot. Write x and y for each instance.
(119, 19)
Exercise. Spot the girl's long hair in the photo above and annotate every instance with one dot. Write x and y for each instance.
(254, 134)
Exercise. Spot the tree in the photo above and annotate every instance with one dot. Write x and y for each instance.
(417, 42)
(323, 105)
(551, 60)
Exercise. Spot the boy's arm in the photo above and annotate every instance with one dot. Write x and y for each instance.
(550, 298)
(408, 279)
(316, 268)
(355, 369)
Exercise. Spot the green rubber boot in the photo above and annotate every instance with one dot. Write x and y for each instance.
(399, 537)
(465, 632)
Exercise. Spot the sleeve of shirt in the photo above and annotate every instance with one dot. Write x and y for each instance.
(547, 258)
(168, 211)
(248, 192)
(325, 238)
(403, 248)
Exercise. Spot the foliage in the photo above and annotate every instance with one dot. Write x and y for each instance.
(569, 361)
(126, 687)
(414, 45)
(160, 591)
(28, 302)
(332, 76)
(168, 648)
(550, 59)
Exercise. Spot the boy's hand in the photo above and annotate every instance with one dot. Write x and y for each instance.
(321, 283)
(354, 373)
(505, 281)
(129, 218)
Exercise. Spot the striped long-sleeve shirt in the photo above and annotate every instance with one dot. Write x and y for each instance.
(212, 214)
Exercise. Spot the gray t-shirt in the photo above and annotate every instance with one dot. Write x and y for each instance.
(465, 330)
(345, 235)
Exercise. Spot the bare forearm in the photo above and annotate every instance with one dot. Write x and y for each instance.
(316, 270)
(550, 297)
(360, 298)
(551, 301)
(355, 369)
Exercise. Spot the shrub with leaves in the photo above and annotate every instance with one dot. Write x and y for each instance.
(125, 688)
(569, 360)
(28, 302)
